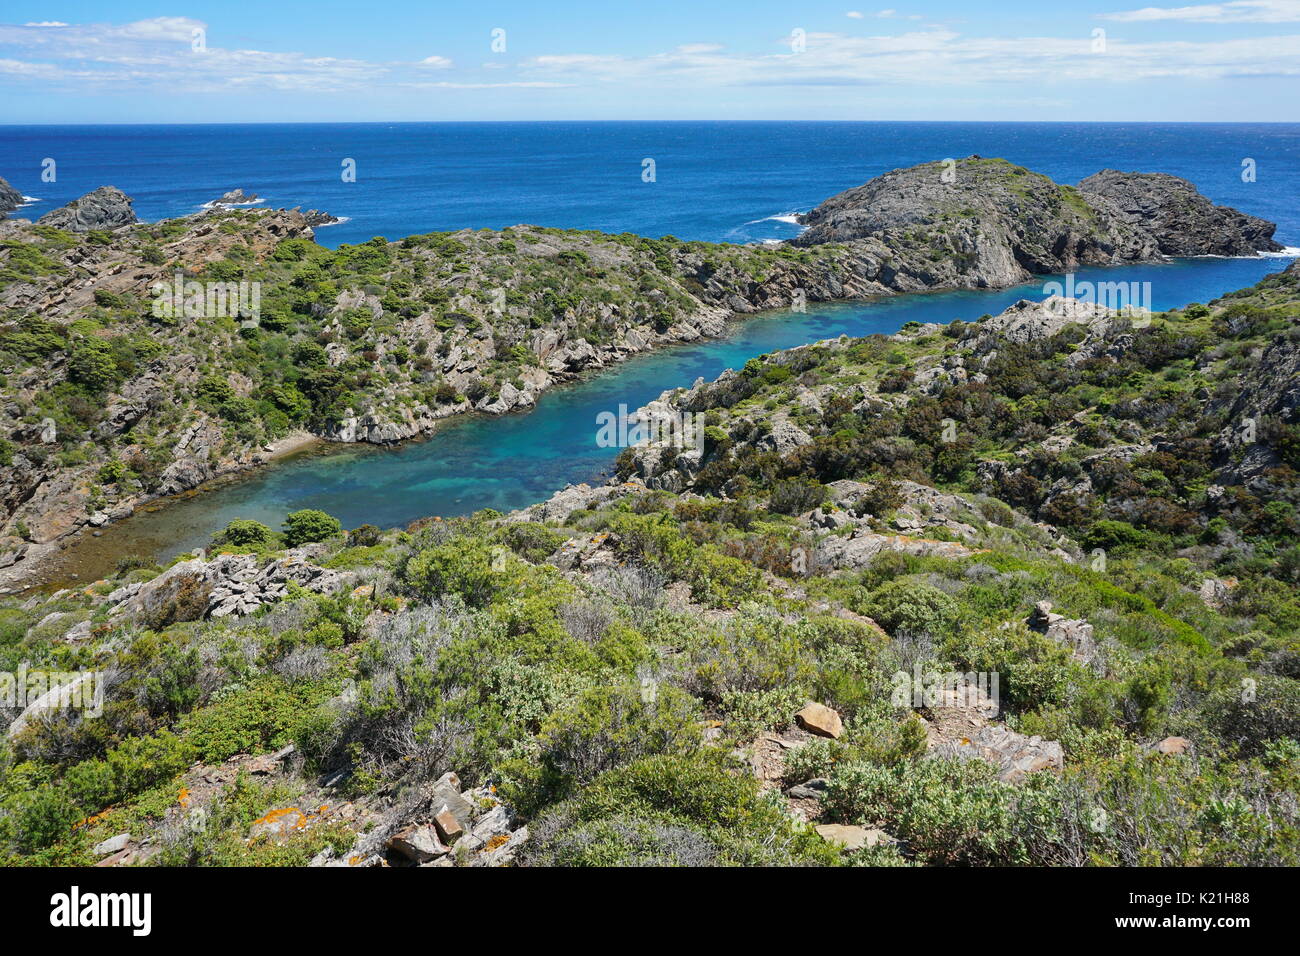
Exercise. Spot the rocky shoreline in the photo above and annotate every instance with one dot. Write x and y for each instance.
(910, 230)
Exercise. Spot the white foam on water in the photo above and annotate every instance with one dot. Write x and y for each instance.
(787, 217)
(214, 204)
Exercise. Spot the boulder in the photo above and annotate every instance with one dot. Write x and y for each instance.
(112, 845)
(448, 827)
(419, 844)
(105, 208)
(1172, 746)
(849, 838)
(820, 720)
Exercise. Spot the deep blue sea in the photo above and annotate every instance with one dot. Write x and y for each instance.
(716, 181)
(713, 181)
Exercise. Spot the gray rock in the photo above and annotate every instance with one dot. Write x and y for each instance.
(813, 789)
(105, 208)
(1180, 219)
(10, 198)
(112, 845)
(418, 844)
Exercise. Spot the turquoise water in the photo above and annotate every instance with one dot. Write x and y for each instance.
(515, 460)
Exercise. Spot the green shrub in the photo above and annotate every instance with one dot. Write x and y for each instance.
(244, 532)
(308, 525)
(912, 607)
(1260, 709)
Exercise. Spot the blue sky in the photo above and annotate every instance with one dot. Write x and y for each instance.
(198, 62)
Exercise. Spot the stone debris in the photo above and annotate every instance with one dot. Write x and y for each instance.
(450, 827)
(1012, 753)
(235, 585)
(961, 726)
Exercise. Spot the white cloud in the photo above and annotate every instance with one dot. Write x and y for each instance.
(1236, 11)
(157, 55)
(448, 85)
(935, 57)
(854, 14)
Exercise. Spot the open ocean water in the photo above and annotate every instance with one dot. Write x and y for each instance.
(715, 181)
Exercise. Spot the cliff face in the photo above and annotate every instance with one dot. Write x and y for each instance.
(979, 223)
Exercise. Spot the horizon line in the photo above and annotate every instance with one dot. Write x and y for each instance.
(788, 122)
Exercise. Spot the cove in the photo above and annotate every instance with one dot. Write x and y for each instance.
(512, 461)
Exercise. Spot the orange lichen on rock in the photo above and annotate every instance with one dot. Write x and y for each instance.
(276, 816)
(91, 820)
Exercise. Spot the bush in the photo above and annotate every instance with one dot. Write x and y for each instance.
(308, 525)
(794, 496)
(699, 794)
(262, 717)
(1252, 714)
(91, 364)
(244, 532)
(605, 728)
(366, 536)
(912, 607)
(948, 811)
(463, 567)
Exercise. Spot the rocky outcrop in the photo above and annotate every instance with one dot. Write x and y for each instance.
(10, 198)
(316, 218)
(105, 208)
(236, 197)
(859, 549)
(960, 726)
(985, 223)
(1180, 220)
(444, 826)
(1074, 634)
(229, 585)
(1014, 754)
